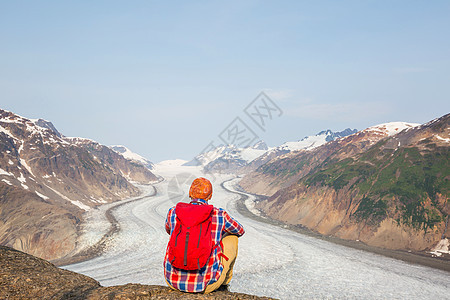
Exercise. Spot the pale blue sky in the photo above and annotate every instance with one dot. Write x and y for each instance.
(165, 78)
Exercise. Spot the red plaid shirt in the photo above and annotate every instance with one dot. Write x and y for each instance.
(198, 280)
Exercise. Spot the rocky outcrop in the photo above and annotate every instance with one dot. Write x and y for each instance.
(47, 181)
(385, 187)
(34, 225)
(23, 276)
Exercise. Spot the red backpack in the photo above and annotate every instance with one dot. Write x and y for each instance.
(191, 243)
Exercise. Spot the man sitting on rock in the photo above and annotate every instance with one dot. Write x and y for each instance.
(203, 243)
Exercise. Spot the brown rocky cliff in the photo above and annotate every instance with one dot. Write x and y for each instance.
(23, 276)
(35, 225)
(329, 212)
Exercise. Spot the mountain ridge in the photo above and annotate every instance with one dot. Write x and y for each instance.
(232, 159)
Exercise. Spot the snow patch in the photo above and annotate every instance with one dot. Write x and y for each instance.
(390, 128)
(80, 205)
(430, 122)
(24, 163)
(42, 196)
(128, 154)
(10, 162)
(20, 148)
(307, 143)
(3, 172)
(249, 154)
(250, 204)
(22, 178)
(6, 131)
(74, 202)
(442, 139)
(442, 247)
(127, 176)
(24, 186)
(6, 181)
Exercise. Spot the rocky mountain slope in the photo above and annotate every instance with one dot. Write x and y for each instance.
(23, 276)
(387, 186)
(47, 181)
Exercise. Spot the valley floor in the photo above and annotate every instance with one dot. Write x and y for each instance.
(272, 261)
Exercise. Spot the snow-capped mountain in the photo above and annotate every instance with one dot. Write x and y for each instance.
(391, 128)
(308, 143)
(228, 158)
(128, 154)
(47, 124)
(314, 141)
(48, 180)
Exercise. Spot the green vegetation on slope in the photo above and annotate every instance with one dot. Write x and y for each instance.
(402, 184)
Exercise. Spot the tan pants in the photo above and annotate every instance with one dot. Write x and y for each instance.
(230, 249)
